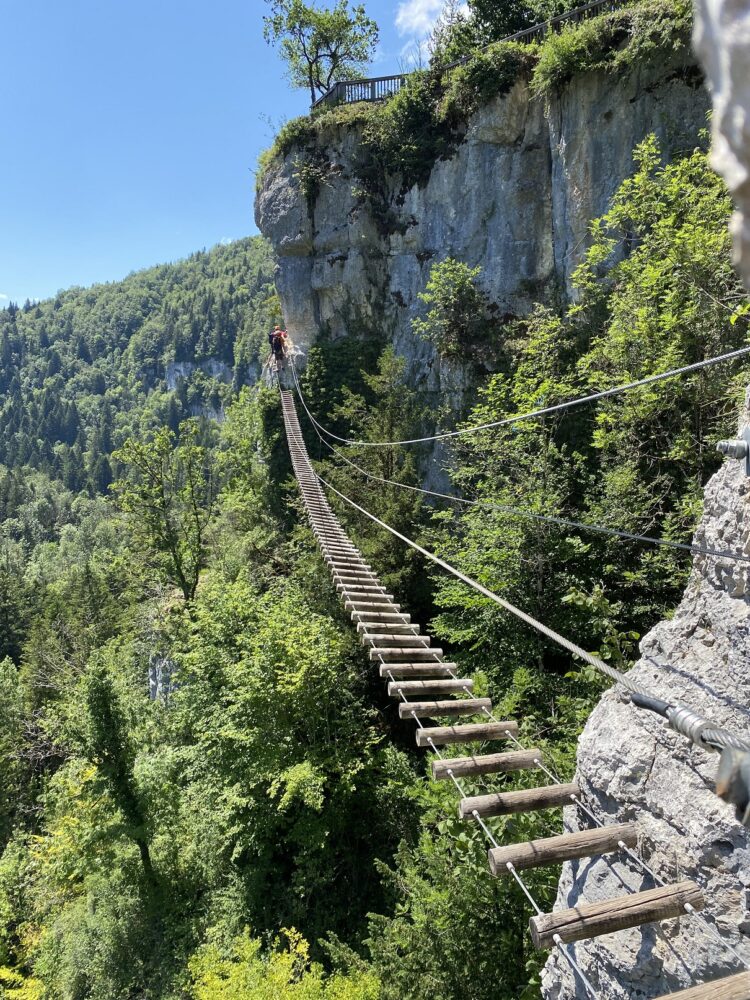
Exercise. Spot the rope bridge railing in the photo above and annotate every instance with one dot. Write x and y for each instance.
(416, 669)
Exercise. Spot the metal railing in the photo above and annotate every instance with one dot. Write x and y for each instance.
(555, 23)
(380, 88)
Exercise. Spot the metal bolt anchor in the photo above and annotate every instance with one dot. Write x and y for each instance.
(737, 448)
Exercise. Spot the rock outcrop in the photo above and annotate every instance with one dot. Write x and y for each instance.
(632, 767)
(629, 765)
(516, 198)
(722, 39)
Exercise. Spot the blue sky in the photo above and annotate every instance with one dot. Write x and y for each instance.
(131, 130)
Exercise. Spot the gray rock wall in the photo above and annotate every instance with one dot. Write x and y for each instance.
(722, 39)
(516, 198)
(632, 768)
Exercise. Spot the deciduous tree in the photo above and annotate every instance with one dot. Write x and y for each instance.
(169, 493)
(321, 44)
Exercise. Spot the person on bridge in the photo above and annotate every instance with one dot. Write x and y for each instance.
(277, 339)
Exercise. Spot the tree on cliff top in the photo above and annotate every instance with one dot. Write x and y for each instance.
(320, 44)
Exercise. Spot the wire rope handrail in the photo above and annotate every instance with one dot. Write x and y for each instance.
(546, 410)
(517, 511)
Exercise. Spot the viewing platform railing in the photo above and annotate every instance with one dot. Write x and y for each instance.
(380, 88)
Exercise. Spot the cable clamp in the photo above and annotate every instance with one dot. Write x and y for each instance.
(738, 448)
(687, 722)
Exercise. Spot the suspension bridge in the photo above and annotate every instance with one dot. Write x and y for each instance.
(446, 712)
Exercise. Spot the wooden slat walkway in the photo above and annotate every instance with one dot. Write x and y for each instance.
(414, 668)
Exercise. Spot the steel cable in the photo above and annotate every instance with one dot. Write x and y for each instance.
(517, 511)
(546, 410)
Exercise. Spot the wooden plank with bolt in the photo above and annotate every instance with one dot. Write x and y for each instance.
(405, 671)
(434, 709)
(491, 763)
(729, 988)
(525, 800)
(473, 732)
(406, 653)
(589, 920)
(450, 685)
(566, 847)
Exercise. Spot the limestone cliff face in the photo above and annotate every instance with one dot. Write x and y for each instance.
(632, 768)
(516, 198)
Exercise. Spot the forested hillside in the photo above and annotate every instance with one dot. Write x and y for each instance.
(82, 371)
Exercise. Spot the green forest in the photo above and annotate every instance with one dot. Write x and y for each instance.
(82, 372)
(204, 791)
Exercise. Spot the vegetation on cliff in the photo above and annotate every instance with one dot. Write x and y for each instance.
(401, 139)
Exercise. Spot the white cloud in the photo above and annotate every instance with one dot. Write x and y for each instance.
(3, 295)
(416, 17)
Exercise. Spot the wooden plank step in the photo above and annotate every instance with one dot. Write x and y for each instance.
(449, 686)
(589, 920)
(355, 576)
(453, 706)
(399, 641)
(553, 850)
(729, 988)
(490, 763)
(364, 592)
(370, 603)
(395, 628)
(405, 653)
(359, 585)
(407, 670)
(525, 800)
(473, 732)
(380, 616)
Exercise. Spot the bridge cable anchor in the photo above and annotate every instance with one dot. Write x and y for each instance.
(738, 448)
